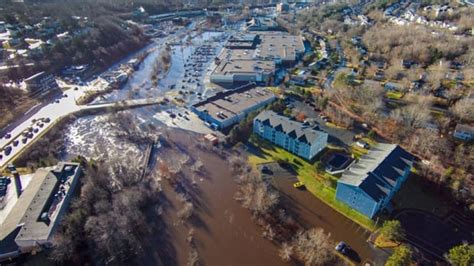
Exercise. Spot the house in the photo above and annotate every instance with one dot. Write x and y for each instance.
(36, 214)
(464, 132)
(369, 185)
(390, 86)
(293, 136)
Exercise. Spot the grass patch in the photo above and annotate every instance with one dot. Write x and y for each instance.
(275, 90)
(369, 141)
(20, 170)
(357, 151)
(322, 185)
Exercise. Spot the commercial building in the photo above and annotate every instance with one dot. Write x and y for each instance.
(256, 57)
(234, 71)
(369, 185)
(261, 24)
(38, 210)
(41, 83)
(230, 107)
(242, 41)
(280, 47)
(293, 136)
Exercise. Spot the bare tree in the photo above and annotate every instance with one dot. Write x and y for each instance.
(314, 247)
(286, 251)
(464, 109)
(256, 194)
(413, 116)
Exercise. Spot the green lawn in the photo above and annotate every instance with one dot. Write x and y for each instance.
(321, 185)
(357, 151)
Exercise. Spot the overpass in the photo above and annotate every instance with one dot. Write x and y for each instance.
(124, 104)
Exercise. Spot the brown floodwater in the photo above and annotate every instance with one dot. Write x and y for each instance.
(312, 212)
(225, 233)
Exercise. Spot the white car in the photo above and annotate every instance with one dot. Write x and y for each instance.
(363, 144)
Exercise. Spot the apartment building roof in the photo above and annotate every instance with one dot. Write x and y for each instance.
(293, 129)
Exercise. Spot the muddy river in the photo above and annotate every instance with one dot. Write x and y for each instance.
(224, 232)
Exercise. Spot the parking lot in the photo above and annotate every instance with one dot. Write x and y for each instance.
(308, 210)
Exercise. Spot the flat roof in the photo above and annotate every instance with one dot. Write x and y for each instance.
(280, 45)
(262, 22)
(236, 54)
(243, 37)
(229, 104)
(41, 195)
(248, 45)
(231, 67)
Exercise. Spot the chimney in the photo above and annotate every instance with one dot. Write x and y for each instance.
(16, 177)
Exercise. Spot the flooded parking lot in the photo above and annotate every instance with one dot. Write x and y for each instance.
(91, 135)
(312, 212)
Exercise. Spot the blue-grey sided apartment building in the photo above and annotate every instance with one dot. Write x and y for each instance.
(369, 185)
(291, 135)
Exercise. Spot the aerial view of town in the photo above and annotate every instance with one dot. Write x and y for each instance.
(237, 132)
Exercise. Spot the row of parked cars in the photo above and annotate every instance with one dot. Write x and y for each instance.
(28, 133)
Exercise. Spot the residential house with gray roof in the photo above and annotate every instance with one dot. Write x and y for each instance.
(293, 136)
(369, 185)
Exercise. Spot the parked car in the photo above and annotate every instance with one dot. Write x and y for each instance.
(325, 118)
(362, 144)
(15, 143)
(4, 181)
(8, 135)
(342, 247)
(8, 150)
(358, 136)
(299, 185)
(266, 170)
(24, 140)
